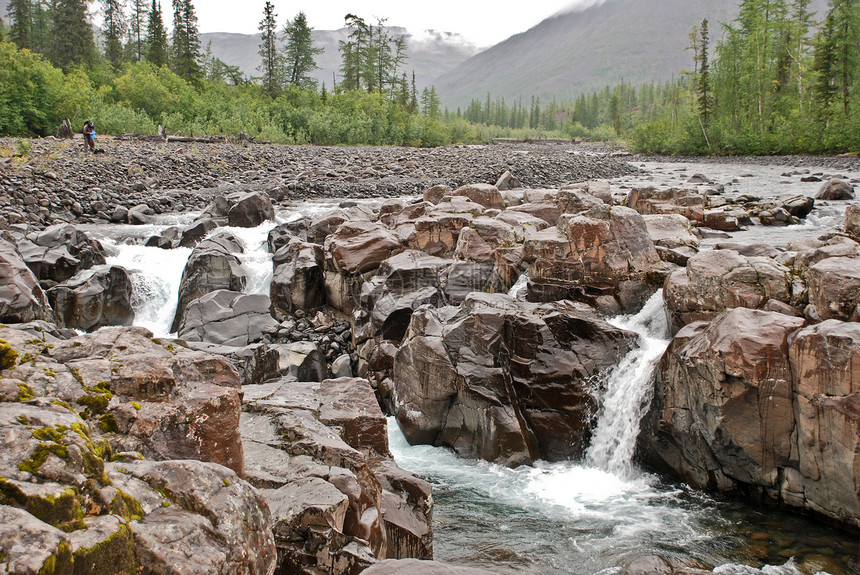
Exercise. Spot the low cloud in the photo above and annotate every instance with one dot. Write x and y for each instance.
(580, 6)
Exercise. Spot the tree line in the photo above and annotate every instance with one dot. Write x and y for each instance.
(136, 75)
(777, 80)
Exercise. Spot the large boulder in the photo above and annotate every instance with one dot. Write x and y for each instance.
(249, 209)
(21, 298)
(852, 221)
(298, 281)
(161, 400)
(89, 303)
(688, 202)
(309, 449)
(503, 380)
(602, 252)
(199, 518)
(228, 318)
(59, 252)
(825, 364)
(485, 194)
(359, 247)
(212, 266)
(835, 189)
(716, 280)
(723, 413)
(76, 494)
(834, 288)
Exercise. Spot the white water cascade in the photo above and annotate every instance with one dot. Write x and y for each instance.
(628, 391)
(156, 273)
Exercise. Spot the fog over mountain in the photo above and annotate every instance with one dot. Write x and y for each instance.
(593, 44)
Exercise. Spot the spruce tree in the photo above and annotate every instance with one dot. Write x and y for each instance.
(272, 65)
(299, 52)
(186, 54)
(114, 30)
(21, 23)
(704, 87)
(156, 37)
(355, 52)
(136, 29)
(71, 35)
(42, 18)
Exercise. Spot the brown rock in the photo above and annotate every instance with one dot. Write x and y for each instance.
(21, 298)
(723, 410)
(834, 288)
(359, 247)
(462, 374)
(721, 279)
(483, 194)
(835, 189)
(825, 362)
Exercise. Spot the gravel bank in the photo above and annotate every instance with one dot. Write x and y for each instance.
(56, 182)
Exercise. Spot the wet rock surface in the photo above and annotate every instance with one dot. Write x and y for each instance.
(123, 445)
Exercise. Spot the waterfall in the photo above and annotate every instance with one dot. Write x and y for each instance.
(155, 275)
(629, 391)
(255, 257)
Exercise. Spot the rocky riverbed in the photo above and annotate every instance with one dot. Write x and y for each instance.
(469, 299)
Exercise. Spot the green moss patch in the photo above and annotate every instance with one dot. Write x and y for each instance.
(8, 355)
(126, 506)
(63, 511)
(113, 555)
(59, 564)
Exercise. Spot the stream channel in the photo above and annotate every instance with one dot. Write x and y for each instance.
(585, 517)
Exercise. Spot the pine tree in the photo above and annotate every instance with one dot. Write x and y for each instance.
(114, 30)
(71, 35)
(272, 64)
(413, 96)
(136, 30)
(299, 52)
(156, 37)
(185, 60)
(354, 52)
(704, 88)
(21, 23)
(42, 24)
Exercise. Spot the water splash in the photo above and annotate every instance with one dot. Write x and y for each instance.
(256, 258)
(155, 275)
(629, 391)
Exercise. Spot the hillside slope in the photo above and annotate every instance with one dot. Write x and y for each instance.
(563, 56)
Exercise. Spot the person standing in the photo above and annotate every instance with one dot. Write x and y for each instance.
(89, 133)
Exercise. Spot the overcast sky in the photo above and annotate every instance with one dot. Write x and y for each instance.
(481, 22)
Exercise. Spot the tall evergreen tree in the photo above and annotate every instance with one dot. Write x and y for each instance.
(354, 52)
(71, 35)
(272, 64)
(42, 19)
(137, 29)
(186, 55)
(704, 86)
(21, 23)
(156, 37)
(299, 52)
(114, 30)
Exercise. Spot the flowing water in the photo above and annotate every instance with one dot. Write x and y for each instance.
(598, 515)
(593, 516)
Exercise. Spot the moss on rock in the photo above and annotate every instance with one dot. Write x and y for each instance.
(113, 556)
(8, 355)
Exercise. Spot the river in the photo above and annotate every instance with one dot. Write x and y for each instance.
(587, 517)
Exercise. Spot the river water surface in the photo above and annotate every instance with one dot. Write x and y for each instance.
(593, 516)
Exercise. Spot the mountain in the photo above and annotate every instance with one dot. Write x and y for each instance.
(430, 55)
(586, 50)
